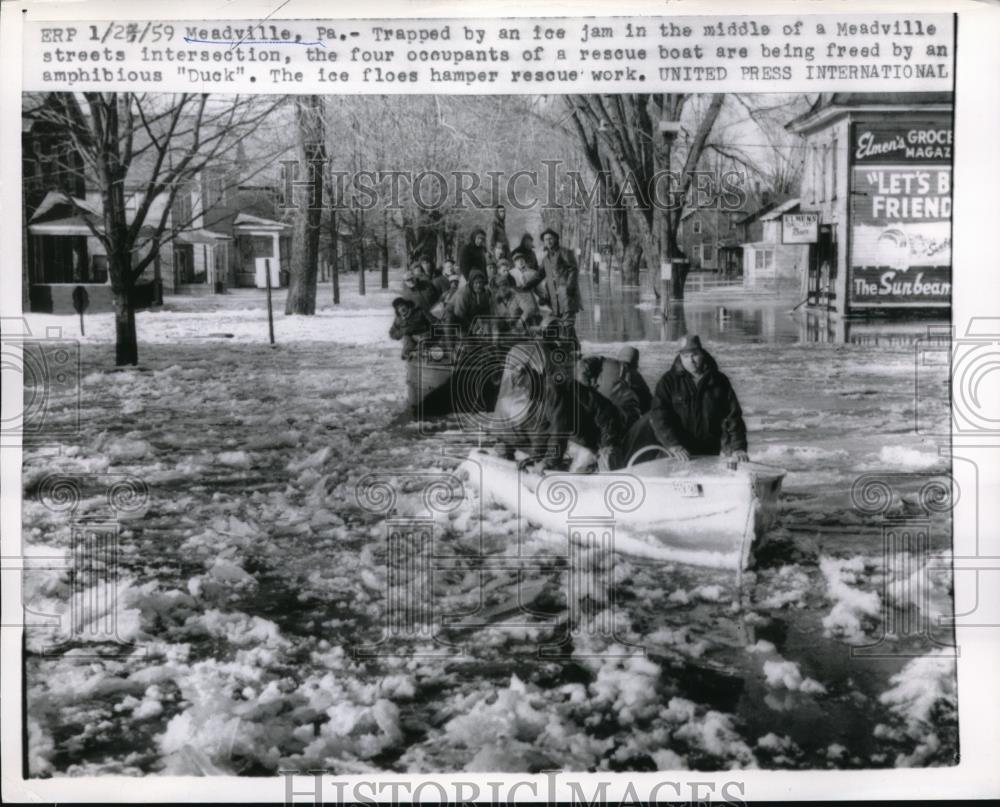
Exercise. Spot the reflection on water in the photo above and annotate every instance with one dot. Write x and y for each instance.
(616, 313)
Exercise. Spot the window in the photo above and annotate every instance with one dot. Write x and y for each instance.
(696, 226)
(707, 253)
(214, 190)
(763, 259)
(181, 212)
(99, 268)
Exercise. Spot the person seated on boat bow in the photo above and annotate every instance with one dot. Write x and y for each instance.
(694, 410)
(411, 325)
(576, 418)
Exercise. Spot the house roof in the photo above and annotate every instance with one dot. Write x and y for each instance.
(785, 207)
(57, 203)
(831, 105)
(692, 210)
(244, 221)
(762, 210)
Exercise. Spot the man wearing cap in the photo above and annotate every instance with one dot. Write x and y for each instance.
(560, 288)
(410, 324)
(694, 411)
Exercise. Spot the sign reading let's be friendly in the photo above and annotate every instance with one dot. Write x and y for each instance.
(799, 228)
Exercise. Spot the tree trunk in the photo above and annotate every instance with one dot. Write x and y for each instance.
(305, 266)
(384, 255)
(631, 258)
(335, 257)
(126, 343)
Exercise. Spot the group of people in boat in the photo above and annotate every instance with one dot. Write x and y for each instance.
(587, 411)
(597, 412)
(492, 291)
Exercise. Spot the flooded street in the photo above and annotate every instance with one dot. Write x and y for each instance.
(255, 573)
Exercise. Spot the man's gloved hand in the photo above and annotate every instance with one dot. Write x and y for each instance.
(740, 456)
(679, 453)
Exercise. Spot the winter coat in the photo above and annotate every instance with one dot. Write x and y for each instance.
(414, 325)
(702, 416)
(575, 411)
(441, 283)
(466, 306)
(422, 294)
(472, 258)
(560, 288)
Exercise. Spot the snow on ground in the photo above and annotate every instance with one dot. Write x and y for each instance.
(254, 572)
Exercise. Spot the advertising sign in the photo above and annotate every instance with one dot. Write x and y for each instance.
(799, 228)
(901, 215)
(885, 143)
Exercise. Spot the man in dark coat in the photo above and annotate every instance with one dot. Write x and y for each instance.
(573, 414)
(473, 255)
(695, 410)
(560, 288)
(410, 324)
(498, 232)
(471, 302)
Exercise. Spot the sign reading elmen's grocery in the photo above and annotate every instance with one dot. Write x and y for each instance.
(901, 214)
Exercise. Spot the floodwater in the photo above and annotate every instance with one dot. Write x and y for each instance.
(617, 313)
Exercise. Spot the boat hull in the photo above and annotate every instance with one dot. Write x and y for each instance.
(701, 512)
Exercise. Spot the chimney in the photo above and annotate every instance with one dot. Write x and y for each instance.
(765, 198)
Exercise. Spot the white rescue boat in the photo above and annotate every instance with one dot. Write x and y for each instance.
(708, 511)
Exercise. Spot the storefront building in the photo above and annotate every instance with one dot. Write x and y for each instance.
(878, 177)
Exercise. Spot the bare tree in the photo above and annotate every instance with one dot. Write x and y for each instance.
(159, 144)
(765, 149)
(310, 123)
(625, 129)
